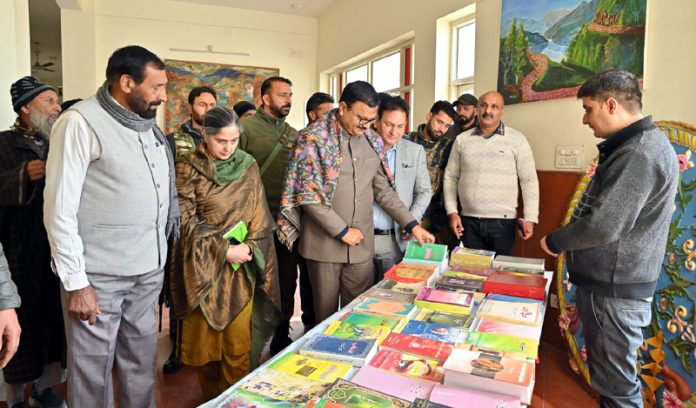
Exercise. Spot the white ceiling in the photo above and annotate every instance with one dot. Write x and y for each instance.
(308, 8)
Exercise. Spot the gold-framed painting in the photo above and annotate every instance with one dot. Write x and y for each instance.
(233, 83)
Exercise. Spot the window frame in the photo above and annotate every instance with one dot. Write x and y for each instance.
(457, 85)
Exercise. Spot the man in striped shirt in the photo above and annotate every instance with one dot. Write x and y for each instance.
(483, 170)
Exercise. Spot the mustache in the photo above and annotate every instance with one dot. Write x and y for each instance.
(154, 104)
(487, 115)
(288, 106)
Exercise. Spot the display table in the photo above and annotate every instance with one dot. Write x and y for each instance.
(317, 330)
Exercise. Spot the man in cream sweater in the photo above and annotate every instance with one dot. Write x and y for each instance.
(483, 172)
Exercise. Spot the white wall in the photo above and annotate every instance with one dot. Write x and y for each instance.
(670, 77)
(14, 30)
(102, 26)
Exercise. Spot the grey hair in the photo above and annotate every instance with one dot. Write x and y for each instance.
(219, 118)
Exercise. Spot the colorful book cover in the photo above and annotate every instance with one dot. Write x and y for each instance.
(516, 284)
(508, 298)
(529, 347)
(236, 235)
(445, 300)
(404, 287)
(426, 252)
(432, 331)
(502, 268)
(448, 319)
(283, 386)
(385, 308)
(390, 295)
(370, 320)
(489, 372)
(310, 368)
(356, 331)
(353, 352)
(393, 384)
(509, 329)
(409, 365)
(459, 284)
(410, 272)
(489, 350)
(244, 399)
(454, 396)
(511, 312)
(438, 350)
(344, 393)
(468, 257)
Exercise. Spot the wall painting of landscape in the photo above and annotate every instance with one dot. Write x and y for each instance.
(233, 83)
(548, 48)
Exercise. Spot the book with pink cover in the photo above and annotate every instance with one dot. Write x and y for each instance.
(509, 329)
(393, 384)
(456, 397)
(511, 312)
(438, 350)
(445, 300)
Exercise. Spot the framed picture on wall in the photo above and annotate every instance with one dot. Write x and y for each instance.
(233, 83)
(549, 48)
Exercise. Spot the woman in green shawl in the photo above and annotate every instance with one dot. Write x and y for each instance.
(229, 312)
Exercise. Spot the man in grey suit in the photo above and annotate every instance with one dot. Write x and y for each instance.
(110, 205)
(407, 163)
(335, 174)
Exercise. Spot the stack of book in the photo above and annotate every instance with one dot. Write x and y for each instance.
(519, 264)
(428, 335)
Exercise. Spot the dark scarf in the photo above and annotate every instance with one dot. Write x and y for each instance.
(134, 122)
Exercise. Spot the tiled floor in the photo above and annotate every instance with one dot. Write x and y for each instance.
(556, 384)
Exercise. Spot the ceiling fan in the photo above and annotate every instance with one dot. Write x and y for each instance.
(39, 66)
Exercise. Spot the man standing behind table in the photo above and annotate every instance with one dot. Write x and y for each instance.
(337, 171)
(111, 204)
(40, 359)
(483, 172)
(615, 240)
(268, 138)
(432, 135)
(406, 161)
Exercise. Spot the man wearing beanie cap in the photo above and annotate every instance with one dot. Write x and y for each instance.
(465, 106)
(23, 151)
(244, 109)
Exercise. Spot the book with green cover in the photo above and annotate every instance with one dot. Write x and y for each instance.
(403, 287)
(356, 331)
(344, 393)
(370, 320)
(244, 399)
(283, 386)
(528, 347)
(310, 368)
(236, 235)
(426, 252)
(448, 319)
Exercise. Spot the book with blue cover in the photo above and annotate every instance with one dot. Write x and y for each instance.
(432, 331)
(353, 352)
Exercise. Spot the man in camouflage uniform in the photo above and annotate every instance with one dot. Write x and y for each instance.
(432, 135)
(188, 137)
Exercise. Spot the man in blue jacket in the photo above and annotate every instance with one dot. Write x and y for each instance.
(615, 241)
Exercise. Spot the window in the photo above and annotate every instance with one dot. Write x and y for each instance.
(389, 72)
(463, 57)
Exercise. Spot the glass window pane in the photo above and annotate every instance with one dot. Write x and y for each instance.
(357, 74)
(466, 43)
(386, 72)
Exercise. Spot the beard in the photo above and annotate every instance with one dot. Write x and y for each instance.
(432, 133)
(466, 119)
(279, 111)
(41, 122)
(196, 118)
(141, 107)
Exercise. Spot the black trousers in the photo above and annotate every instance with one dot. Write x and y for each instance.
(288, 262)
(493, 234)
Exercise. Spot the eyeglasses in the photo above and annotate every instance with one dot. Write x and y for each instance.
(363, 122)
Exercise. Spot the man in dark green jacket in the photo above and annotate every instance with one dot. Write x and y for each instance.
(269, 139)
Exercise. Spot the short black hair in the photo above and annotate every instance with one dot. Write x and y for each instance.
(197, 91)
(360, 91)
(317, 99)
(266, 84)
(392, 103)
(444, 106)
(132, 61)
(620, 85)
